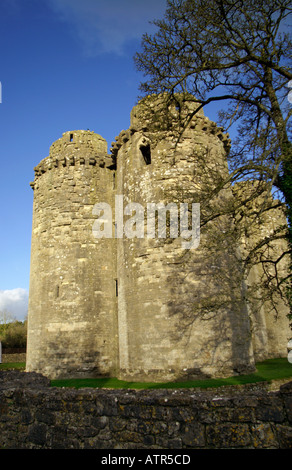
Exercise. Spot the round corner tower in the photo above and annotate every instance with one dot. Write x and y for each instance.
(72, 312)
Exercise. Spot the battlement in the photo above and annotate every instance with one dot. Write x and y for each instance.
(75, 148)
(155, 114)
(198, 124)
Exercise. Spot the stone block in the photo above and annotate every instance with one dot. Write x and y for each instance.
(229, 435)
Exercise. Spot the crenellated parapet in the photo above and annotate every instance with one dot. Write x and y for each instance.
(205, 125)
(122, 138)
(75, 149)
(198, 124)
(154, 115)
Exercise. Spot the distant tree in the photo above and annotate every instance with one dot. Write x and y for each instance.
(6, 318)
(14, 335)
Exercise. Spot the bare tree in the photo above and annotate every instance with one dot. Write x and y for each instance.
(233, 51)
(6, 317)
(238, 53)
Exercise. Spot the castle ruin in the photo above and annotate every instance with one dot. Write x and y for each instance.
(144, 308)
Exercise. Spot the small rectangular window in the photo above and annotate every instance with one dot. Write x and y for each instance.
(117, 288)
(71, 137)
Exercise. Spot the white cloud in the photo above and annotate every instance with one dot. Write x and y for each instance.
(106, 26)
(14, 301)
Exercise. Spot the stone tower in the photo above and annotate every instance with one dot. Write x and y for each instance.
(150, 306)
(72, 305)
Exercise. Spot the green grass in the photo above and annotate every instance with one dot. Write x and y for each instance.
(12, 365)
(272, 369)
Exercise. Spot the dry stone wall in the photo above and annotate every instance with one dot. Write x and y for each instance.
(34, 415)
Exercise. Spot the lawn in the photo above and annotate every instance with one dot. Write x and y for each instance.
(272, 369)
(12, 366)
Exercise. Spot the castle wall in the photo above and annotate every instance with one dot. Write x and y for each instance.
(72, 305)
(269, 264)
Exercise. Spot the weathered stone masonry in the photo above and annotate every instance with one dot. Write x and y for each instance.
(36, 416)
(136, 308)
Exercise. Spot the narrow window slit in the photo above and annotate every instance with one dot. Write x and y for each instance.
(117, 288)
(71, 137)
(146, 152)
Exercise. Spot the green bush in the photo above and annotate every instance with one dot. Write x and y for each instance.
(14, 335)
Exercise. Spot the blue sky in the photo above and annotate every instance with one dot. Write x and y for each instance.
(64, 65)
